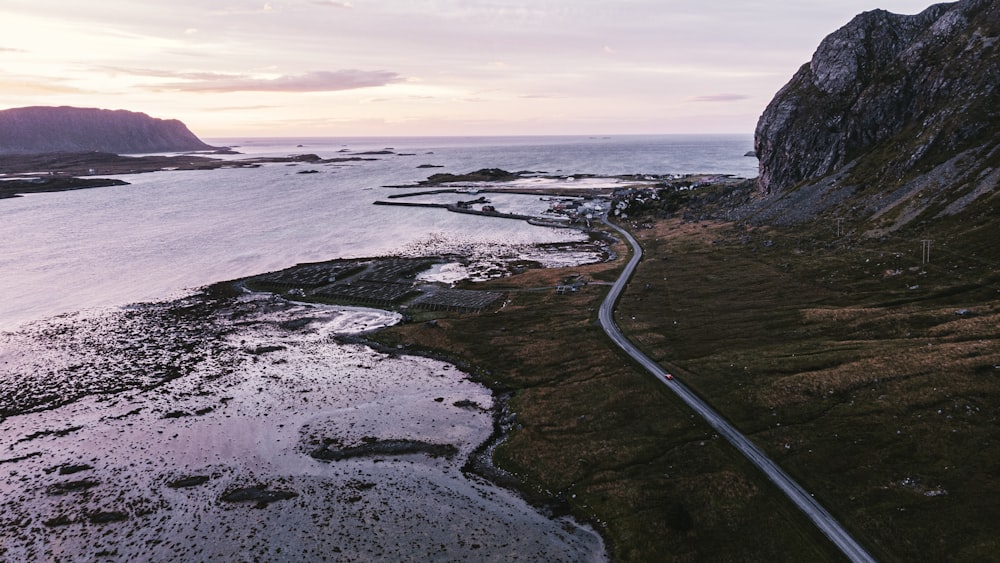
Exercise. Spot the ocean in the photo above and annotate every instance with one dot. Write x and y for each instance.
(168, 232)
(138, 423)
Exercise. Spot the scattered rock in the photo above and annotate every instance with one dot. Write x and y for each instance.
(74, 468)
(71, 486)
(192, 481)
(107, 517)
(61, 520)
(267, 349)
(384, 447)
(259, 494)
(42, 433)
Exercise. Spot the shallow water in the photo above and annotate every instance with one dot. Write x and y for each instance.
(106, 405)
(94, 476)
(169, 232)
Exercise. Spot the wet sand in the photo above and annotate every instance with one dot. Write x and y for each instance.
(188, 431)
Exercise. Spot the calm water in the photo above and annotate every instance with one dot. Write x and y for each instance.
(169, 232)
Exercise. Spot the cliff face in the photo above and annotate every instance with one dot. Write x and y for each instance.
(907, 104)
(66, 129)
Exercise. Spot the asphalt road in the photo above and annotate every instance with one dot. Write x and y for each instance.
(802, 499)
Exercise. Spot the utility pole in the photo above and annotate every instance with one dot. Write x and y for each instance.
(925, 251)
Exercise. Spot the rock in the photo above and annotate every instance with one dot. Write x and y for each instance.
(467, 404)
(260, 495)
(107, 517)
(61, 520)
(481, 175)
(374, 447)
(70, 469)
(888, 99)
(71, 486)
(185, 482)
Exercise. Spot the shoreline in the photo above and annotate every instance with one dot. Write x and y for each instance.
(554, 503)
(479, 461)
(128, 409)
(23, 174)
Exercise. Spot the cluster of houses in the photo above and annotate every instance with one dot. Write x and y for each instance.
(575, 209)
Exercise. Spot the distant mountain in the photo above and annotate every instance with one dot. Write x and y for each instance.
(896, 120)
(33, 130)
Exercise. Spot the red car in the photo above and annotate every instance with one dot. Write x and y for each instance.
(668, 376)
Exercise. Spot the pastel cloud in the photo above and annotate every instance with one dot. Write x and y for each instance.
(28, 87)
(333, 4)
(319, 81)
(240, 108)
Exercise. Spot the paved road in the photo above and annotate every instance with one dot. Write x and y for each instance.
(802, 499)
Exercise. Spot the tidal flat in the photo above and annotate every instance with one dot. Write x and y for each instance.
(190, 430)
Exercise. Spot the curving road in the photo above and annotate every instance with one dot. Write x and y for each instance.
(802, 499)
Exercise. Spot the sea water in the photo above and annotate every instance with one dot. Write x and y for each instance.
(172, 231)
(254, 397)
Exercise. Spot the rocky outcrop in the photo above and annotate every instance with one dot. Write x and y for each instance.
(894, 104)
(33, 130)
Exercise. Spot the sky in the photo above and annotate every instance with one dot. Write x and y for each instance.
(308, 68)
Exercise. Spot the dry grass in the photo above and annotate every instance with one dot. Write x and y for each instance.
(606, 440)
(869, 388)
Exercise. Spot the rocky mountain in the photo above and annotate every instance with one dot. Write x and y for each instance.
(896, 119)
(33, 130)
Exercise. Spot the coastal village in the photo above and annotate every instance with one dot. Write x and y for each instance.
(398, 283)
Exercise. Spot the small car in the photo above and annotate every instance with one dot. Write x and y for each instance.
(668, 376)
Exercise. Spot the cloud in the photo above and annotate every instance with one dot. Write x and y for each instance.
(712, 98)
(321, 81)
(157, 73)
(233, 11)
(33, 87)
(333, 4)
(240, 108)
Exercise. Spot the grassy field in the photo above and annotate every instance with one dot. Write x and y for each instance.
(595, 435)
(873, 378)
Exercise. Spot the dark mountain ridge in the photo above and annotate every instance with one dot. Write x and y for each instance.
(34, 130)
(895, 121)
